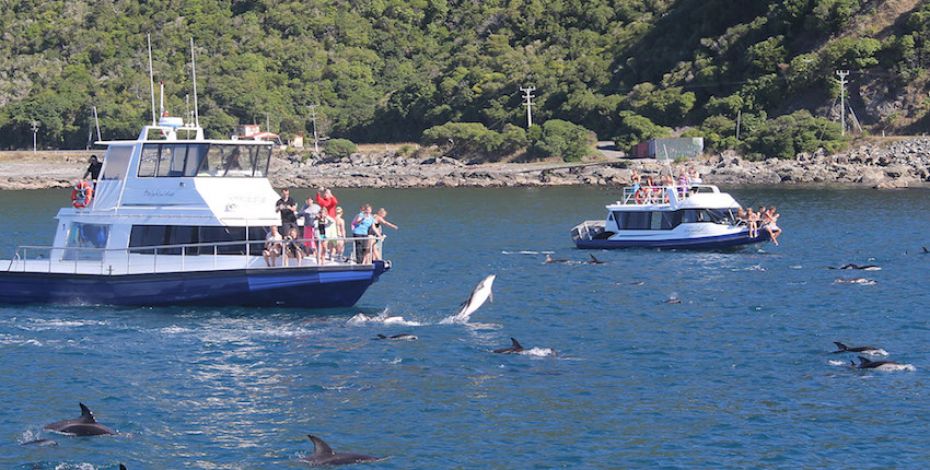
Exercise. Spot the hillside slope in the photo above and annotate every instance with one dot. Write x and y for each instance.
(389, 69)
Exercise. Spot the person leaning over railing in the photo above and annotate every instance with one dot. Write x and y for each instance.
(273, 246)
(292, 248)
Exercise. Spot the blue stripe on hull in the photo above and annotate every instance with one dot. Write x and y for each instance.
(292, 287)
(711, 243)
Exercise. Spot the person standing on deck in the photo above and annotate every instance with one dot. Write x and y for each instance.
(326, 200)
(287, 208)
(93, 169)
(361, 224)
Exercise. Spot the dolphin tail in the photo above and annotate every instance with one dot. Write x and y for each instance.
(86, 415)
(516, 344)
(840, 347)
(320, 448)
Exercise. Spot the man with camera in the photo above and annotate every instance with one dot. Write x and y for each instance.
(288, 210)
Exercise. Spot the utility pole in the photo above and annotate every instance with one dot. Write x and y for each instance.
(842, 74)
(267, 123)
(35, 130)
(528, 96)
(739, 121)
(316, 140)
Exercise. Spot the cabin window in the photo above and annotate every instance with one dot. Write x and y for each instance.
(86, 241)
(636, 220)
(159, 235)
(187, 159)
(116, 162)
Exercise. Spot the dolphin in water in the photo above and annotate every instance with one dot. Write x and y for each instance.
(842, 348)
(515, 347)
(551, 260)
(400, 337)
(86, 425)
(479, 295)
(856, 280)
(865, 363)
(595, 260)
(861, 267)
(323, 454)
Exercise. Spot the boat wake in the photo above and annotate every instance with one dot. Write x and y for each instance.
(526, 252)
(538, 352)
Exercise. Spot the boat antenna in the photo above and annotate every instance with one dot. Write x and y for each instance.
(194, 77)
(161, 99)
(151, 77)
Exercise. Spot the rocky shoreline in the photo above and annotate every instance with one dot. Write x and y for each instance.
(900, 164)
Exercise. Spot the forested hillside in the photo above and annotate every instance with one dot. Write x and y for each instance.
(386, 70)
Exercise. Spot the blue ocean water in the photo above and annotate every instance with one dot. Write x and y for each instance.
(737, 375)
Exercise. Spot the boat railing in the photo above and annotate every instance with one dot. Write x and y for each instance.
(644, 195)
(241, 254)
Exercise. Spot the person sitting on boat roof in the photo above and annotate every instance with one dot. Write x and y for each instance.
(93, 169)
(273, 246)
(753, 221)
(694, 177)
(287, 208)
(292, 247)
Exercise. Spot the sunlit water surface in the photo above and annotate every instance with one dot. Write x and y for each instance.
(736, 375)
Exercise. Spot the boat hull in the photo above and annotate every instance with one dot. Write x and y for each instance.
(717, 242)
(307, 287)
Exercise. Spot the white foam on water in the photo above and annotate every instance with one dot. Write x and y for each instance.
(538, 352)
(896, 368)
(174, 330)
(859, 281)
(18, 341)
(796, 266)
(836, 363)
(38, 324)
(382, 318)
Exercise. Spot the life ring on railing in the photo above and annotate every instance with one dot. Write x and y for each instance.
(82, 194)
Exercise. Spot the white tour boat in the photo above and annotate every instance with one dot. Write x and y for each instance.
(697, 217)
(178, 221)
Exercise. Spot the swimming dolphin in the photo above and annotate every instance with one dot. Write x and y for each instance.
(86, 425)
(551, 260)
(400, 337)
(515, 347)
(862, 267)
(122, 467)
(926, 251)
(324, 455)
(856, 280)
(842, 348)
(479, 295)
(594, 260)
(865, 363)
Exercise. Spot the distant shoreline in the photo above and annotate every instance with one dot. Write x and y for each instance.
(890, 165)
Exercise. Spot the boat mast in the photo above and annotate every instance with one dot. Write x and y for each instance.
(151, 78)
(194, 77)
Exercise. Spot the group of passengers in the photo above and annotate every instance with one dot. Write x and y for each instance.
(648, 191)
(324, 231)
(763, 219)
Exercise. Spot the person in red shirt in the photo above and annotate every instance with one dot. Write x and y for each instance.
(326, 200)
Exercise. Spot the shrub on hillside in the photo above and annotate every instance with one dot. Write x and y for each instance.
(788, 135)
(634, 129)
(564, 139)
(340, 148)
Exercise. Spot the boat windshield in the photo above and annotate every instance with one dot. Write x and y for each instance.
(188, 159)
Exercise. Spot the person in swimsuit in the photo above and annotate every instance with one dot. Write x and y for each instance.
(340, 223)
(323, 229)
(753, 223)
(772, 225)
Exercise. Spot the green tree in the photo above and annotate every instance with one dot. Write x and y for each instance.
(564, 139)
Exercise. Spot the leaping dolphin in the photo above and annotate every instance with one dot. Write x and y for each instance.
(323, 454)
(86, 425)
(479, 295)
(515, 347)
(842, 348)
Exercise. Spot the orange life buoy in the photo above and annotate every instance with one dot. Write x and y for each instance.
(82, 194)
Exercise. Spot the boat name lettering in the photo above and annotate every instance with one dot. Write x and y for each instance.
(158, 193)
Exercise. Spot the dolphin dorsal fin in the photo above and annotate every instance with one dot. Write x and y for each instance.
(320, 448)
(841, 346)
(516, 344)
(87, 416)
(864, 361)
